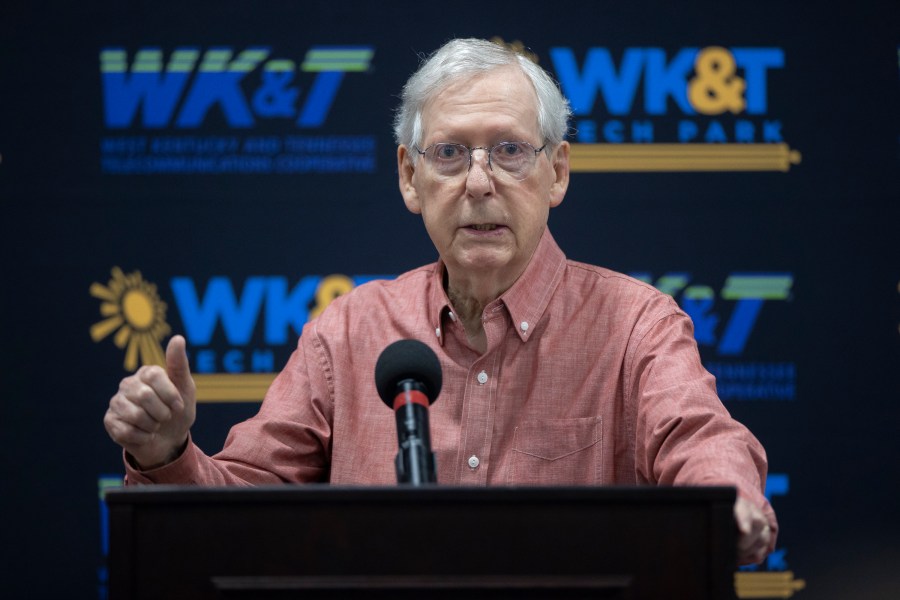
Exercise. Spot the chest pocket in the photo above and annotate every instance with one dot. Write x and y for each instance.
(557, 452)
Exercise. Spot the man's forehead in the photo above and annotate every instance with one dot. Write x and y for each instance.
(501, 94)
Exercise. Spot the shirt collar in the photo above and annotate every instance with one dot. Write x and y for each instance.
(528, 297)
(525, 301)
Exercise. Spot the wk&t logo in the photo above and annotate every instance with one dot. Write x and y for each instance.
(721, 95)
(157, 89)
(237, 335)
(727, 333)
(193, 90)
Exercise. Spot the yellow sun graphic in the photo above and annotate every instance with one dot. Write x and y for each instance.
(133, 310)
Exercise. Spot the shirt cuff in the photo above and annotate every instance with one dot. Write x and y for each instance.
(181, 470)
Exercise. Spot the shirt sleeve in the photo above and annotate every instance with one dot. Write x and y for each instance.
(289, 440)
(683, 433)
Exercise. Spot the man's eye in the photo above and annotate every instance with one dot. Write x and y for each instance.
(510, 149)
(447, 151)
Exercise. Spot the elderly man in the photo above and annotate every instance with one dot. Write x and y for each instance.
(555, 372)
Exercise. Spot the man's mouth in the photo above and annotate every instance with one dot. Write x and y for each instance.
(483, 227)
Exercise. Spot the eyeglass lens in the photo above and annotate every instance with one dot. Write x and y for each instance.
(512, 158)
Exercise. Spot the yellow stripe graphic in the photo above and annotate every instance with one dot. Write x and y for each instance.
(243, 387)
(596, 158)
(773, 584)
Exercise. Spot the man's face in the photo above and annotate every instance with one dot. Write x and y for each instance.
(483, 224)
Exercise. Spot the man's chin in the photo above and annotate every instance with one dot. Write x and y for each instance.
(498, 264)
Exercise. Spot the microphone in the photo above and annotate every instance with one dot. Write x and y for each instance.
(408, 379)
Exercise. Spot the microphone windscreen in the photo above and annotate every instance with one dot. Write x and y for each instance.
(407, 359)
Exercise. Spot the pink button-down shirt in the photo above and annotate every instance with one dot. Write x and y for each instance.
(590, 377)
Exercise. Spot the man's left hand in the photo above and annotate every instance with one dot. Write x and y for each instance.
(754, 531)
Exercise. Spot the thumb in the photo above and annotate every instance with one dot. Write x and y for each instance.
(178, 368)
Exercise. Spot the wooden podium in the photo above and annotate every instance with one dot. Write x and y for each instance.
(432, 542)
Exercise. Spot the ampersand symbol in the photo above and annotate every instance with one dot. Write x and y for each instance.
(330, 288)
(274, 98)
(716, 89)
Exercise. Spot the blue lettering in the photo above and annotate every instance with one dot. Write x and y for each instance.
(687, 131)
(599, 72)
(776, 560)
(612, 132)
(206, 362)
(776, 380)
(143, 86)
(755, 62)
(219, 303)
(233, 361)
(283, 309)
(715, 133)
(744, 131)
(320, 98)
(218, 82)
(586, 131)
(662, 81)
(705, 321)
(642, 132)
(772, 132)
(274, 98)
(739, 326)
(262, 361)
(777, 484)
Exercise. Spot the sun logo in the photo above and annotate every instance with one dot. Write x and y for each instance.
(133, 310)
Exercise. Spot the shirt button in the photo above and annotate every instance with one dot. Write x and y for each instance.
(473, 461)
(482, 379)
(451, 315)
(523, 325)
(437, 332)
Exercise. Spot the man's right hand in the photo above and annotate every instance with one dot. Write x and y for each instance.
(154, 409)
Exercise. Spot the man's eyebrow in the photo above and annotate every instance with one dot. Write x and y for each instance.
(505, 135)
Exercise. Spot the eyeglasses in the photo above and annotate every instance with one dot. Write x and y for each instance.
(515, 159)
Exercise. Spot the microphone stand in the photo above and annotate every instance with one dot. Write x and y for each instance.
(415, 462)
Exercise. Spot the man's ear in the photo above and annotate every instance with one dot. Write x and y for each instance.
(405, 170)
(560, 184)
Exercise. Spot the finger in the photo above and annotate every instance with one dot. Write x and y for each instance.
(125, 434)
(178, 367)
(743, 516)
(744, 523)
(765, 537)
(765, 540)
(126, 411)
(755, 534)
(758, 551)
(152, 391)
(157, 379)
(754, 540)
(750, 538)
(147, 398)
(754, 547)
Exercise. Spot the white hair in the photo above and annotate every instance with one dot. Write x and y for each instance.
(465, 58)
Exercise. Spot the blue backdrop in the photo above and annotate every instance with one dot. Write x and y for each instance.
(224, 169)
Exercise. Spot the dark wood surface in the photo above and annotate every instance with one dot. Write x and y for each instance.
(431, 542)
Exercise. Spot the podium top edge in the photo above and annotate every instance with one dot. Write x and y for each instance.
(325, 493)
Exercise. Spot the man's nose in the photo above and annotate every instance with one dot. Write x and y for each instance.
(480, 156)
(478, 179)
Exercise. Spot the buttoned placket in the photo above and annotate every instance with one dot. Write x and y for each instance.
(482, 384)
